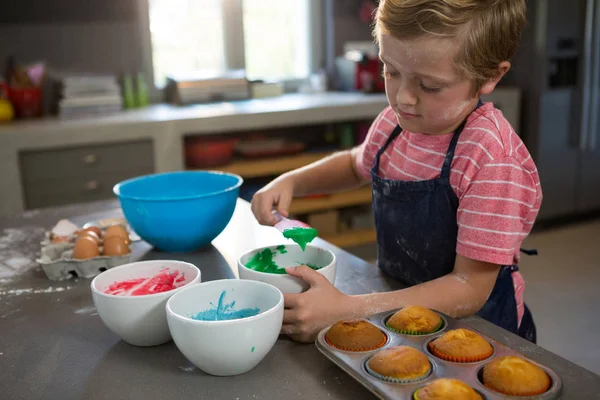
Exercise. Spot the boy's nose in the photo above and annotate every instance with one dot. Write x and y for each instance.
(406, 95)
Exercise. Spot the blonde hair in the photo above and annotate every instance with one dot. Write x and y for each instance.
(489, 29)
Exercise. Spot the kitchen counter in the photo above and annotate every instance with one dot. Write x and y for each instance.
(166, 126)
(54, 346)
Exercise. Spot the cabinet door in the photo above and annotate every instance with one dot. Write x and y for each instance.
(557, 161)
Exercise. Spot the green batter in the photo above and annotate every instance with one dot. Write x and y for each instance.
(263, 262)
(300, 235)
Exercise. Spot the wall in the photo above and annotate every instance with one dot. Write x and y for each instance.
(99, 36)
(104, 36)
(348, 27)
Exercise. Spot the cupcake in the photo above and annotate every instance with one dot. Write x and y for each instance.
(355, 336)
(447, 389)
(461, 345)
(415, 320)
(514, 376)
(401, 364)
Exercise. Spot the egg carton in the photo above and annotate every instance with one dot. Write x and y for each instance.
(57, 261)
(354, 363)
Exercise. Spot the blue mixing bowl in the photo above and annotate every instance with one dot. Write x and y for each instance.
(179, 211)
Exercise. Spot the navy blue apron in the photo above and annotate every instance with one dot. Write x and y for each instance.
(417, 232)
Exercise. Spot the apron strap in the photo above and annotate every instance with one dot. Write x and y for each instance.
(445, 174)
(395, 133)
(529, 252)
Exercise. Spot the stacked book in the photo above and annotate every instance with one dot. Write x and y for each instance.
(84, 96)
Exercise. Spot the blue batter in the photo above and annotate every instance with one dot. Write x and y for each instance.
(224, 312)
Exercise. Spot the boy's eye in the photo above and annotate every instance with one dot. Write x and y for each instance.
(429, 89)
(390, 75)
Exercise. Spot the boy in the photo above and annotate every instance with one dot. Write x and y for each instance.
(455, 191)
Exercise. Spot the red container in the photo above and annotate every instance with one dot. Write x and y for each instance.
(206, 153)
(27, 102)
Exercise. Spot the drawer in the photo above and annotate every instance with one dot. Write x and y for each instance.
(56, 192)
(86, 161)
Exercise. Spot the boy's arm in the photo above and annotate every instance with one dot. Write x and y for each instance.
(461, 293)
(332, 174)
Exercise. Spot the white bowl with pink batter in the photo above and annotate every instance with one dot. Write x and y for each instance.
(131, 299)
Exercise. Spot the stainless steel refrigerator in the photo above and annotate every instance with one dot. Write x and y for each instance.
(558, 68)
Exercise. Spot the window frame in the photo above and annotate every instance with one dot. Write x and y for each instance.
(233, 32)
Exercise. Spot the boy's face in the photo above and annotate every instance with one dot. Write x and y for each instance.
(422, 87)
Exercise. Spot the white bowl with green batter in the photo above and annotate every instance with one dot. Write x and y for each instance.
(268, 264)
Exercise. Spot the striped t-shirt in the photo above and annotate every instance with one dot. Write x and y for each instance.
(492, 174)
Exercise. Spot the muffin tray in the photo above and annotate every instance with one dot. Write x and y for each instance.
(353, 363)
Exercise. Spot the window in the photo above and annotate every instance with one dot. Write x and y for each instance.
(270, 39)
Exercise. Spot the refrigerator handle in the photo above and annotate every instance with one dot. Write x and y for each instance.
(588, 54)
(595, 83)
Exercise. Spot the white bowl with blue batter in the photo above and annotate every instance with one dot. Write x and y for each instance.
(268, 264)
(226, 327)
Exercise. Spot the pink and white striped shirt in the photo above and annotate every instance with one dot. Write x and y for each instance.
(492, 174)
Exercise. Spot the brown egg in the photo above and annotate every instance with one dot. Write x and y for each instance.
(115, 246)
(85, 247)
(116, 230)
(90, 234)
(94, 229)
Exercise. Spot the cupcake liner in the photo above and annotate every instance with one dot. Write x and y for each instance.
(397, 380)
(520, 394)
(380, 345)
(415, 333)
(457, 359)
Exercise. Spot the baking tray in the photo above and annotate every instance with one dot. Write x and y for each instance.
(353, 363)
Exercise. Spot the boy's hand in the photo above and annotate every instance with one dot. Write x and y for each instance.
(306, 314)
(277, 194)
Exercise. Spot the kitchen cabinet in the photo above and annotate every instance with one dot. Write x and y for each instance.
(83, 173)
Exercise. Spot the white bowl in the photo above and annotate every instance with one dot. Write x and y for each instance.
(226, 347)
(290, 256)
(138, 320)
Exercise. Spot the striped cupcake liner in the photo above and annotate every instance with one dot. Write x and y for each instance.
(415, 333)
(519, 394)
(390, 379)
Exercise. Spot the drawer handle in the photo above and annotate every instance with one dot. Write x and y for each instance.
(90, 159)
(91, 186)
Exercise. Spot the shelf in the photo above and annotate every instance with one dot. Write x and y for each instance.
(352, 238)
(344, 199)
(271, 166)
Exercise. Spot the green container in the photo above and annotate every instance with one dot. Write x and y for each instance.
(128, 92)
(142, 91)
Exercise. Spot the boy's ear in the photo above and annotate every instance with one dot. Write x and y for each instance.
(490, 85)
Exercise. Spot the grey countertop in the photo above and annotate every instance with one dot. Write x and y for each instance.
(54, 346)
(289, 109)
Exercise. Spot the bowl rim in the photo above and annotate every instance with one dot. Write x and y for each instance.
(117, 187)
(189, 320)
(195, 279)
(240, 264)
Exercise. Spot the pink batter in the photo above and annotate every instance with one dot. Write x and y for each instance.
(161, 282)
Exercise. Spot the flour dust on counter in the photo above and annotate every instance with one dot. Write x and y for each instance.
(17, 245)
(25, 291)
(89, 310)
